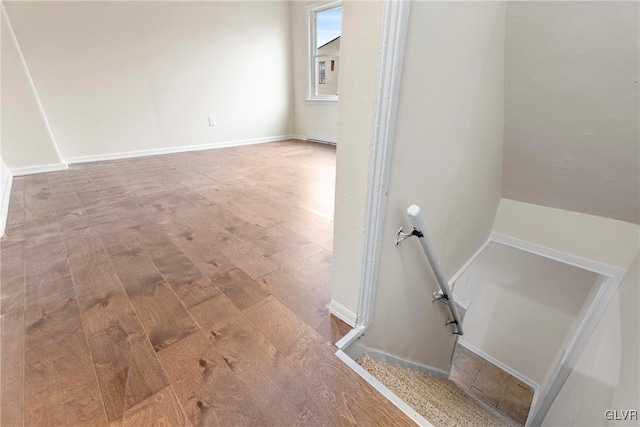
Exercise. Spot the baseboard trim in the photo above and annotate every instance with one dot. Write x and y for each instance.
(299, 137)
(531, 383)
(382, 389)
(31, 170)
(343, 313)
(556, 255)
(7, 183)
(467, 264)
(351, 337)
(357, 349)
(319, 141)
(178, 149)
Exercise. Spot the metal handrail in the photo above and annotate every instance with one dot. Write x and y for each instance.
(421, 231)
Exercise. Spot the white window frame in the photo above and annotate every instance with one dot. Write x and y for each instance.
(312, 73)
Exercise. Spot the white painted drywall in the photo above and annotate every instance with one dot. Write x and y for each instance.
(124, 76)
(5, 192)
(360, 45)
(607, 374)
(596, 238)
(572, 110)
(447, 158)
(24, 139)
(522, 306)
(572, 333)
(314, 120)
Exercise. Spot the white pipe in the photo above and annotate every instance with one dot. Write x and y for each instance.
(429, 249)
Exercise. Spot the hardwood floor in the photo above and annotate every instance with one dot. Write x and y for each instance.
(184, 289)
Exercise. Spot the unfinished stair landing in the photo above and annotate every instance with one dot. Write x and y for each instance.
(438, 399)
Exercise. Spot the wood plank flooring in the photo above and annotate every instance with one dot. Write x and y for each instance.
(184, 289)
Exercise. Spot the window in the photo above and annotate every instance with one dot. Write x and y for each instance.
(322, 77)
(325, 29)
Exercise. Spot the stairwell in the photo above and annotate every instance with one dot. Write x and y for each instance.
(438, 399)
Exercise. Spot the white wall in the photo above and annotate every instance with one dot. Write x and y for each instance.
(5, 192)
(572, 116)
(360, 50)
(607, 374)
(125, 76)
(25, 140)
(314, 120)
(522, 306)
(447, 158)
(596, 238)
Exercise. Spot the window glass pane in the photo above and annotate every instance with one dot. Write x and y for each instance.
(328, 31)
(328, 25)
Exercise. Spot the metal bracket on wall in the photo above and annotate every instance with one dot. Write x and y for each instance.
(402, 236)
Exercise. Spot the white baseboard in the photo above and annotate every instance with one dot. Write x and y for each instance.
(299, 137)
(178, 149)
(467, 264)
(356, 350)
(350, 337)
(317, 141)
(531, 383)
(343, 313)
(5, 195)
(30, 170)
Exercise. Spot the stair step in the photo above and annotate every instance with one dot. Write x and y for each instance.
(438, 399)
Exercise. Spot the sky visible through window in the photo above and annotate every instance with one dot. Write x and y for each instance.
(329, 25)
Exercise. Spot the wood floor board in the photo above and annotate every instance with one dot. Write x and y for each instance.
(12, 369)
(12, 276)
(332, 328)
(273, 383)
(163, 316)
(182, 289)
(60, 386)
(248, 258)
(188, 282)
(292, 293)
(267, 242)
(206, 387)
(315, 274)
(240, 288)
(292, 241)
(160, 409)
(126, 364)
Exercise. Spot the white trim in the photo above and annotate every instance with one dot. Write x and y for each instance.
(391, 396)
(31, 83)
(574, 350)
(351, 337)
(342, 313)
(5, 194)
(467, 264)
(312, 9)
(395, 21)
(318, 141)
(321, 101)
(554, 254)
(519, 375)
(30, 170)
(299, 137)
(356, 350)
(178, 149)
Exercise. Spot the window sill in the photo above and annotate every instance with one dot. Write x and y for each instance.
(321, 101)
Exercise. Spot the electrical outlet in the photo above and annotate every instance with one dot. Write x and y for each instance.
(212, 121)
